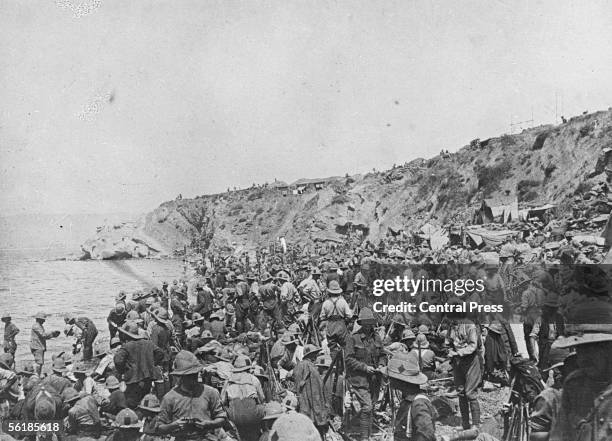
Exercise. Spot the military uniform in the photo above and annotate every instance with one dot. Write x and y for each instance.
(290, 299)
(415, 420)
(336, 312)
(586, 401)
(38, 343)
(242, 306)
(10, 332)
(598, 424)
(579, 394)
(90, 332)
(531, 302)
(363, 351)
(310, 288)
(204, 302)
(466, 369)
(269, 297)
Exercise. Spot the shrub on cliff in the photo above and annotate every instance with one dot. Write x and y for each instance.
(524, 189)
(490, 177)
(255, 195)
(340, 199)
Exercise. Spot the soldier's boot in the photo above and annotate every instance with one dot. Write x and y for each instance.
(475, 411)
(464, 408)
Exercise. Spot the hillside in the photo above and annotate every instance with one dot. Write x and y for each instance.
(546, 164)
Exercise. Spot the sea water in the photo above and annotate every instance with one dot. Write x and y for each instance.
(33, 281)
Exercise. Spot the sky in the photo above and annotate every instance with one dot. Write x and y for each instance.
(114, 106)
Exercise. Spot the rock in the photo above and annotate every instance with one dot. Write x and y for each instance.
(161, 215)
(141, 251)
(109, 248)
(588, 240)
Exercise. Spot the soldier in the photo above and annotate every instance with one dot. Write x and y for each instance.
(164, 289)
(9, 382)
(545, 331)
(310, 287)
(136, 361)
(273, 410)
(204, 298)
(127, 427)
(89, 332)
(161, 336)
(10, 332)
(331, 273)
(268, 293)
(495, 288)
(83, 417)
(335, 312)
(586, 400)
(530, 309)
(425, 356)
(416, 416)
(242, 304)
(191, 410)
(287, 360)
(289, 296)
(359, 298)
(149, 408)
(116, 398)
(117, 316)
(464, 341)
(56, 380)
(38, 340)
(311, 390)
(364, 358)
(348, 276)
(546, 405)
(243, 397)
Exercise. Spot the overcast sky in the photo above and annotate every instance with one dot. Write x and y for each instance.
(110, 106)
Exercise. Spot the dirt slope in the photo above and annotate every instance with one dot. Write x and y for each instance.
(541, 165)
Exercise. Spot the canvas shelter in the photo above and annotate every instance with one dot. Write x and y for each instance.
(542, 212)
(481, 237)
(502, 210)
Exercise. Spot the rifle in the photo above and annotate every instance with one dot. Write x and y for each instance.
(332, 365)
(345, 412)
(315, 334)
(389, 330)
(354, 299)
(276, 385)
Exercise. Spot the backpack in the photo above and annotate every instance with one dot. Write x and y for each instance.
(245, 411)
(528, 380)
(243, 408)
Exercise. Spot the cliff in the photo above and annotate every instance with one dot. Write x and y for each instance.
(546, 164)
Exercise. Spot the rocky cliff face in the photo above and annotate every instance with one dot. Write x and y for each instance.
(546, 164)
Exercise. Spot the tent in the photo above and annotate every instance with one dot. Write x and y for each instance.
(480, 236)
(540, 212)
(502, 209)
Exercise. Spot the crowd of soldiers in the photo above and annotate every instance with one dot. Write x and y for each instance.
(295, 351)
